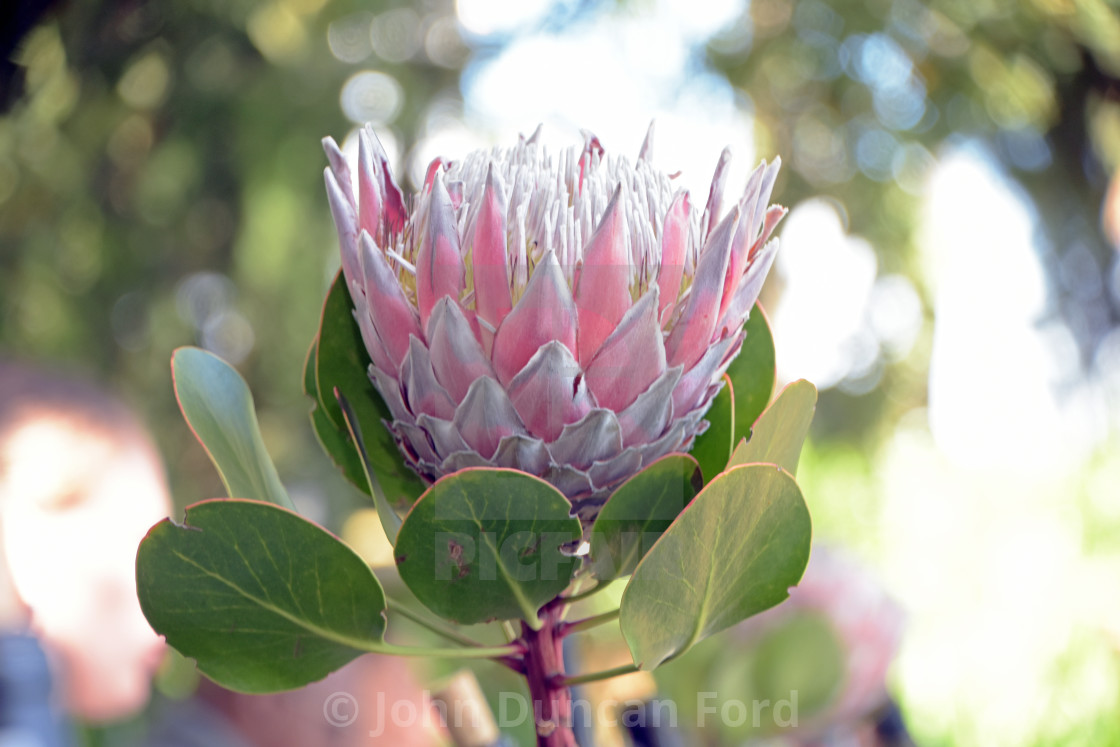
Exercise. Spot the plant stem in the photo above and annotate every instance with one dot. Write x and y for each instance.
(495, 652)
(584, 594)
(606, 674)
(550, 697)
(509, 630)
(587, 623)
(431, 625)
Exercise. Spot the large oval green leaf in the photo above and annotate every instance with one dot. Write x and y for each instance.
(219, 409)
(639, 511)
(485, 544)
(733, 552)
(734, 409)
(262, 599)
(341, 363)
(779, 433)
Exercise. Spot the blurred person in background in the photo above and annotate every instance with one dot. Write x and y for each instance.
(80, 484)
(840, 602)
(810, 672)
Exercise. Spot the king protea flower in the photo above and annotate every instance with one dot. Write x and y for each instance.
(568, 315)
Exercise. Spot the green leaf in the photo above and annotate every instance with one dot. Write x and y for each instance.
(753, 373)
(218, 406)
(310, 386)
(752, 376)
(733, 552)
(353, 453)
(390, 521)
(485, 544)
(342, 362)
(639, 511)
(779, 433)
(713, 447)
(336, 443)
(262, 599)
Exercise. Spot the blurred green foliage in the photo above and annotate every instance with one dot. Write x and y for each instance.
(857, 94)
(861, 96)
(160, 186)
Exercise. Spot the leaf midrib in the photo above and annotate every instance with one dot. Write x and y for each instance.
(518, 594)
(359, 644)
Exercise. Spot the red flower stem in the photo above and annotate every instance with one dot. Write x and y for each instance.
(544, 669)
(512, 662)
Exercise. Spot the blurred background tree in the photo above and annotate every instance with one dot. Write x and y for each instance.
(160, 185)
(862, 96)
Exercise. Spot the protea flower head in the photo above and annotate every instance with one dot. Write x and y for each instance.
(565, 314)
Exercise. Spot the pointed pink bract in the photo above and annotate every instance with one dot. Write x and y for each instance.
(393, 316)
(457, 358)
(546, 312)
(346, 223)
(489, 260)
(486, 416)
(630, 359)
(674, 247)
(425, 394)
(603, 290)
(439, 264)
(646, 152)
(549, 391)
(339, 167)
(369, 188)
(693, 331)
(715, 195)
